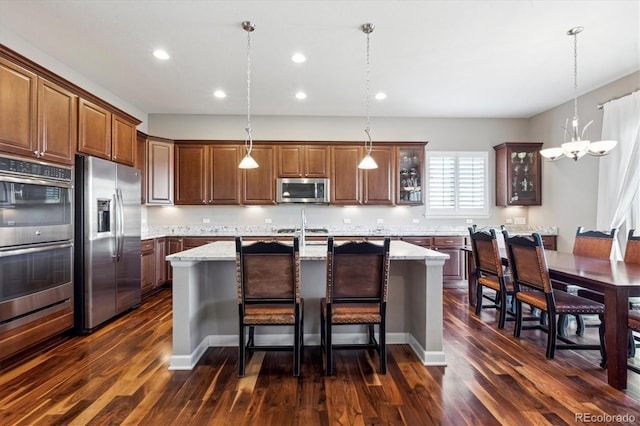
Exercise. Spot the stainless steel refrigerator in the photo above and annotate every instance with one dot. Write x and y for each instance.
(107, 241)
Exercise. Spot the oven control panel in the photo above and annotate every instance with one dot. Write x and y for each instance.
(31, 168)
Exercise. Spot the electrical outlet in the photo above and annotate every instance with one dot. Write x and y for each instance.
(415, 220)
(509, 221)
(469, 221)
(346, 220)
(206, 220)
(379, 221)
(520, 220)
(268, 220)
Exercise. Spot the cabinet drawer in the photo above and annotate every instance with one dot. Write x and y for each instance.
(549, 242)
(147, 246)
(192, 242)
(448, 241)
(419, 241)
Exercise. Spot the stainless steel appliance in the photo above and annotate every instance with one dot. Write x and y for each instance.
(302, 190)
(36, 252)
(107, 250)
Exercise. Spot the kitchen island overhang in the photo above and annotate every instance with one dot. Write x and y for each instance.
(205, 310)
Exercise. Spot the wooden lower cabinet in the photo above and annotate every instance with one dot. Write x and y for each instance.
(161, 264)
(147, 265)
(454, 267)
(174, 245)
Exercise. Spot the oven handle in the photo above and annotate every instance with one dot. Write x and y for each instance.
(35, 249)
(35, 181)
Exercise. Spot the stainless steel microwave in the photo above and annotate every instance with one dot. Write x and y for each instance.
(301, 190)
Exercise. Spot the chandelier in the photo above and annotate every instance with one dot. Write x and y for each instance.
(248, 162)
(368, 162)
(577, 147)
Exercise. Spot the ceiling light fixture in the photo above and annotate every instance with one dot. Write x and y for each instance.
(368, 162)
(381, 96)
(301, 95)
(248, 162)
(161, 54)
(577, 147)
(220, 94)
(298, 58)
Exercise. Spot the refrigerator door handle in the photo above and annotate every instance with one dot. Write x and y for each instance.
(120, 226)
(114, 218)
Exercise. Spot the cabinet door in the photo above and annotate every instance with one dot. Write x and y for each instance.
(225, 178)
(160, 263)
(94, 130)
(174, 245)
(57, 122)
(290, 161)
(147, 265)
(346, 178)
(379, 183)
(141, 163)
(191, 172)
(259, 184)
(410, 175)
(123, 149)
(316, 161)
(518, 174)
(18, 102)
(159, 171)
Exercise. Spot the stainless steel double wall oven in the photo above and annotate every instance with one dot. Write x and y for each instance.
(36, 252)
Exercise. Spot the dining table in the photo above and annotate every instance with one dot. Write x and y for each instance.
(617, 280)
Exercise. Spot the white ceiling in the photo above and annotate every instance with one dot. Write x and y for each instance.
(432, 58)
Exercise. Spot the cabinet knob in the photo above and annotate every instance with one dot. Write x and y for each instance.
(36, 153)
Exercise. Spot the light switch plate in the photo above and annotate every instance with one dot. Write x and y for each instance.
(379, 221)
(415, 220)
(520, 220)
(206, 220)
(268, 220)
(346, 220)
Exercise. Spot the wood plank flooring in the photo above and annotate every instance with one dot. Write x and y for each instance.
(119, 375)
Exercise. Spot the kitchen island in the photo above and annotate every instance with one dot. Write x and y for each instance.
(205, 310)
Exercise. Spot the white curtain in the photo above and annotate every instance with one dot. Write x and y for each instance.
(619, 175)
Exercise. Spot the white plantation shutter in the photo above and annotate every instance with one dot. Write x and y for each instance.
(457, 184)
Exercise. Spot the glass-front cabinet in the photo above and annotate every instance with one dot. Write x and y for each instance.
(518, 174)
(410, 174)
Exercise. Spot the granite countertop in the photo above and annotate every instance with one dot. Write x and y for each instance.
(225, 251)
(334, 230)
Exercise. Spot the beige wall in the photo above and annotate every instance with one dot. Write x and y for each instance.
(570, 189)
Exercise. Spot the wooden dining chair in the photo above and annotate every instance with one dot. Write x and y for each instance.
(356, 293)
(490, 273)
(268, 284)
(594, 244)
(532, 286)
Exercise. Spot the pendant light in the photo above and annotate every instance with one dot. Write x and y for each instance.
(368, 162)
(577, 147)
(248, 162)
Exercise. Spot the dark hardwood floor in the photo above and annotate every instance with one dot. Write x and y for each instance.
(119, 375)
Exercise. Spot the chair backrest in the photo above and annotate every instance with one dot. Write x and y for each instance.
(268, 272)
(357, 271)
(486, 253)
(594, 243)
(632, 252)
(527, 261)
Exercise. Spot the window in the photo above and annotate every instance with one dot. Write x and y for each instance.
(457, 184)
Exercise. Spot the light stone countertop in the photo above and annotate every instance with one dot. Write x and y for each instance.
(226, 251)
(334, 230)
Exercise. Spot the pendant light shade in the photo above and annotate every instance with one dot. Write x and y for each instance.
(368, 162)
(248, 162)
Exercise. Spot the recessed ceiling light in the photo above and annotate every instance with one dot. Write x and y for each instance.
(380, 96)
(220, 94)
(161, 54)
(301, 95)
(298, 58)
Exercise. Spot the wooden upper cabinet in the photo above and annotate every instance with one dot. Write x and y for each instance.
(57, 122)
(191, 174)
(379, 184)
(94, 130)
(38, 118)
(346, 178)
(308, 161)
(225, 178)
(518, 174)
(105, 135)
(141, 164)
(123, 144)
(259, 184)
(18, 103)
(160, 166)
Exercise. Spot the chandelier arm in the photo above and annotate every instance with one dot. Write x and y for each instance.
(584, 129)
